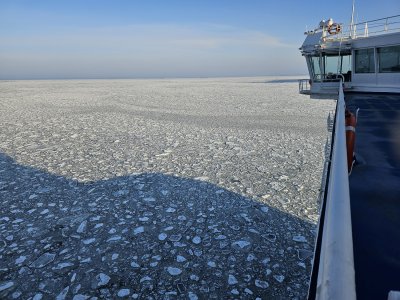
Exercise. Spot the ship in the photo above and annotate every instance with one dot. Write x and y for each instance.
(357, 247)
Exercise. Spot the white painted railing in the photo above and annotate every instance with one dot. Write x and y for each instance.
(375, 27)
(336, 266)
(369, 28)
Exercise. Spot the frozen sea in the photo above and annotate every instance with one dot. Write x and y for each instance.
(159, 189)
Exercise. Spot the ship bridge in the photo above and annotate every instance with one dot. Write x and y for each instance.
(365, 56)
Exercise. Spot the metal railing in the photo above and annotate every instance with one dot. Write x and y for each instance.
(336, 263)
(304, 86)
(368, 28)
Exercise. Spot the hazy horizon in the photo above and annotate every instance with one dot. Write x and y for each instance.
(101, 40)
(162, 78)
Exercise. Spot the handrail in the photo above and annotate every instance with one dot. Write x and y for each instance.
(304, 86)
(336, 263)
(367, 28)
(380, 19)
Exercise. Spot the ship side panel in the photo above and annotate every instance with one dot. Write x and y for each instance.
(376, 79)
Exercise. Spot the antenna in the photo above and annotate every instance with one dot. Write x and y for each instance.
(352, 31)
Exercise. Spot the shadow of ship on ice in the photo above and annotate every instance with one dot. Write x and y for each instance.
(157, 235)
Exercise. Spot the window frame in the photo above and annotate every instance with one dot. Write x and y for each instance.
(373, 60)
(380, 60)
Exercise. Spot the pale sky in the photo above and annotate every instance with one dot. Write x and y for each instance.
(141, 39)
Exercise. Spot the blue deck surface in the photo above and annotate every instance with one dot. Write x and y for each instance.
(375, 194)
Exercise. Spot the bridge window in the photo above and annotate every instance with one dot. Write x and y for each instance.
(330, 67)
(315, 62)
(389, 59)
(364, 61)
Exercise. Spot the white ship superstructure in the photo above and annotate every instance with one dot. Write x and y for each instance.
(366, 56)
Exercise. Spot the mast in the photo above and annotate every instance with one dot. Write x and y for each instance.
(352, 28)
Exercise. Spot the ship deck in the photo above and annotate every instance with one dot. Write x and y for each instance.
(375, 194)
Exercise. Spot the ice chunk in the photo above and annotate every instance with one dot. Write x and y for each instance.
(138, 230)
(162, 236)
(149, 199)
(301, 264)
(102, 279)
(211, 264)
(16, 295)
(251, 257)
(180, 258)
(6, 285)
(304, 254)
(89, 241)
(193, 296)
(43, 260)
(196, 240)
(248, 291)
(241, 244)
(175, 237)
(63, 265)
(174, 271)
(121, 193)
(261, 284)
(62, 294)
(232, 280)
(123, 292)
(300, 239)
(145, 278)
(114, 238)
(235, 292)
(80, 297)
(20, 259)
(194, 277)
(279, 278)
(38, 296)
(135, 265)
(266, 261)
(82, 227)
